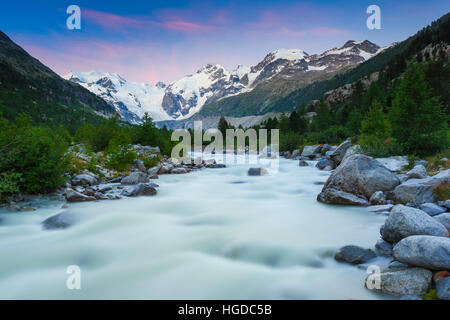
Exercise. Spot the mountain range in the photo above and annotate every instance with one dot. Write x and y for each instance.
(278, 74)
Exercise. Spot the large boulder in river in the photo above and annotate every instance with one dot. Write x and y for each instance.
(432, 209)
(75, 196)
(362, 176)
(354, 254)
(338, 155)
(405, 221)
(141, 189)
(334, 196)
(311, 151)
(420, 191)
(424, 251)
(61, 220)
(135, 178)
(401, 282)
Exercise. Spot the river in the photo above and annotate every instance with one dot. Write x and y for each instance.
(209, 234)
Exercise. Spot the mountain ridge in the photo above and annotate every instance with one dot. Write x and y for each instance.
(213, 83)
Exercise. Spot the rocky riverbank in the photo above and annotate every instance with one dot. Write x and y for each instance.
(108, 184)
(415, 235)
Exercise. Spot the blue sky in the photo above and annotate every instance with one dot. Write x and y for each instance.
(150, 41)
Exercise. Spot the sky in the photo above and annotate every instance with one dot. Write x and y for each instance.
(151, 41)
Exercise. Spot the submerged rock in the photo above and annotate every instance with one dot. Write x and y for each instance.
(61, 220)
(257, 171)
(402, 282)
(303, 163)
(354, 254)
(178, 171)
(325, 163)
(405, 221)
(424, 251)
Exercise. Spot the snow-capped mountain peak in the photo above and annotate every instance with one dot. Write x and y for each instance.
(289, 54)
(131, 100)
(185, 97)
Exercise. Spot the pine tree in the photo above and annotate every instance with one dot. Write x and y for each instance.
(418, 122)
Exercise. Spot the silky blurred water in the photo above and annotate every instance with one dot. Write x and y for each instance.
(209, 234)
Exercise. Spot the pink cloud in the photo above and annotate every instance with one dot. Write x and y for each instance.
(110, 20)
(171, 22)
(267, 19)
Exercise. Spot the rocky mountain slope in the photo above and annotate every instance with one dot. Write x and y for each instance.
(278, 74)
(26, 85)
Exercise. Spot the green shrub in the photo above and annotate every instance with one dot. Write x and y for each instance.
(36, 153)
(9, 183)
(121, 158)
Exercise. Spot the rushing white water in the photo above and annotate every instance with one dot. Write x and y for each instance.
(209, 234)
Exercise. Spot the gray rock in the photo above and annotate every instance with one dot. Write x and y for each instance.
(164, 169)
(420, 162)
(402, 282)
(420, 190)
(380, 208)
(443, 288)
(100, 196)
(395, 265)
(61, 220)
(85, 179)
(338, 155)
(394, 163)
(104, 188)
(74, 196)
(140, 165)
(218, 166)
(424, 251)
(402, 177)
(178, 171)
(325, 163)
(135, 178)
(405, 221)
(378, 198)
(295, 153)
(362, 176)
(310, 151)
(141, 189)
(410, 297)
(444, 204)
(257, 171)
(384, 248)
(334, 196)
(418, 172)
(432, 209)
(354, 254)
(303, 163)
(351, 151)
(444, 218)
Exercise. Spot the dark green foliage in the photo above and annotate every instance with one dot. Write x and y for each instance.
(32, 159)
(418, 122)
(121, 158)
